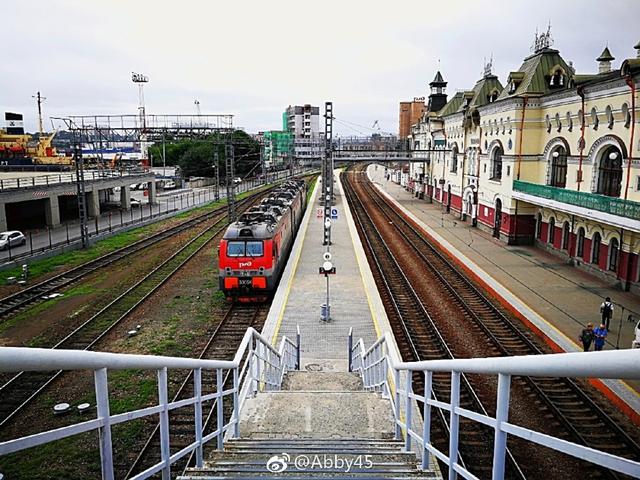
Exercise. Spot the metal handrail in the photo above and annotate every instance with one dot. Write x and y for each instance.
(263, 369)
(379, 363)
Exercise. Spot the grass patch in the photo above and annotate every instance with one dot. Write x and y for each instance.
(135, 389)
(39, 308)
(312, 185)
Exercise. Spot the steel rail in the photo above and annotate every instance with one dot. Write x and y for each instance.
(43, 379)
(35, 293)
(529, 346)
(440, 342)
(185, 385)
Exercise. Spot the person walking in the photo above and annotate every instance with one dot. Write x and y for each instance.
(606, 309)
(586, 337)
(600, 334)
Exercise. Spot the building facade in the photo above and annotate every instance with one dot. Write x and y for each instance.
(303, 123)
(410, 113)
(550, 158)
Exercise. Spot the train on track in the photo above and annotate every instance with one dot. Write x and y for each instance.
(255, 248)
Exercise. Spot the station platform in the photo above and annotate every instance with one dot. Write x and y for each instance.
(303, 290)
(555, 299)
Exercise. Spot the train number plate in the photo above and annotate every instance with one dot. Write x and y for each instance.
(245, 282)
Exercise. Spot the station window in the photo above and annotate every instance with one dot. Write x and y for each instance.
(539, 227)
(565, 236)
(496, 164)
(552, 230)
(595, 249)
(580, 246)
(613, 255)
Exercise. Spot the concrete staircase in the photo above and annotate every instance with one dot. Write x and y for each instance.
(320, 425)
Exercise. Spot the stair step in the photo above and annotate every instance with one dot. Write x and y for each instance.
(322, 381)
(296, 475)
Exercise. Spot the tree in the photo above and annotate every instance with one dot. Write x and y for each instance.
(196, 157)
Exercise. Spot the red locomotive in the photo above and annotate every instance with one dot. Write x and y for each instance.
(254, 250)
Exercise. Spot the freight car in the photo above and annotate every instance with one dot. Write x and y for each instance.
(254, 250)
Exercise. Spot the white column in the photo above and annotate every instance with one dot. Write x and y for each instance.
(52, 210)
(125, 197)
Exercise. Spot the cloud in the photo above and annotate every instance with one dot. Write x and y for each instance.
(254, 58)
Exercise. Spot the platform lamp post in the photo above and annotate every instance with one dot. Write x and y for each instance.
(326, 269)
(80, 188)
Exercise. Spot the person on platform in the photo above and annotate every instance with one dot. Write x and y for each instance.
(586, 337)
(606, 309)
(600, 335)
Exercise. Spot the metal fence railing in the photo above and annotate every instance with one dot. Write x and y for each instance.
(381, 369)
(256, 366)
(66, 177)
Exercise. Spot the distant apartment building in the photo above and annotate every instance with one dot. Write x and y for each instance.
(410, 113)
(303, 121)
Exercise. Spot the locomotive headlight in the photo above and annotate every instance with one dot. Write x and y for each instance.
(261, 270)
(227, 270)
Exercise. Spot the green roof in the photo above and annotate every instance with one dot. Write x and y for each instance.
(535, 71)
(605, 56)
(482, 90)
(452, 105)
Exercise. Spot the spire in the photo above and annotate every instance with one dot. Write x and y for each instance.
(488, 67)
(437, 79)
(605, 56)
(604, 61)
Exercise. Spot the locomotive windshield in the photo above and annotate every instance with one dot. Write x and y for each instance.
(245, 249)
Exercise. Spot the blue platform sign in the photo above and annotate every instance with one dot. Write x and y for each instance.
(334, 213)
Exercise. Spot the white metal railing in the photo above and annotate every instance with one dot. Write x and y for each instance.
(61, 178)
(256, 366)
(380, 369)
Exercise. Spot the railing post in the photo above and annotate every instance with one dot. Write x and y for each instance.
(396, 403)
(298, 363)
(253, 365)
(197, 389)
(408, 411)
(163, 400)
(102, 404)
(502, 415)
(454, 424)
(350, 343)
(426, 419)
(236, 404)
(220, 420)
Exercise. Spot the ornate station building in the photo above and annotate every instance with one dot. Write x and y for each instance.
(550, 158)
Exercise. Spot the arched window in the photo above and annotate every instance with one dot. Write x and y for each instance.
(595, 248)
(595, 121)
(557, 79)
(558, 122)
(613, 255)
(610, 172)
(552, 230)
(565, 236)
(496, 164)
(454, 159)
(626, 115)
(558, 167)
(609, 115)
(581, 118)
(580, 245)
(569, 122)
(547, 122)
(539, 227)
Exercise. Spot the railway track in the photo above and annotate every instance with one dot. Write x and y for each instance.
(424, 342)
(23, 387)
(222, 345)
(579, 418)
(18, 301)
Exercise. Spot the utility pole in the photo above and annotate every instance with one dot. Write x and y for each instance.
(327, 173)
(80, 190)
(140, 80)
(231, 187)
(217, 167)
(40, 100)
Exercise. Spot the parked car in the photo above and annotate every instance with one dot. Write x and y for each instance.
(12, 238)
(237, 180)
(135, 202)
(133, 186)
(169, 185)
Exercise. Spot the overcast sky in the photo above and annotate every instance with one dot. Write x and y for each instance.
(254, 58)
